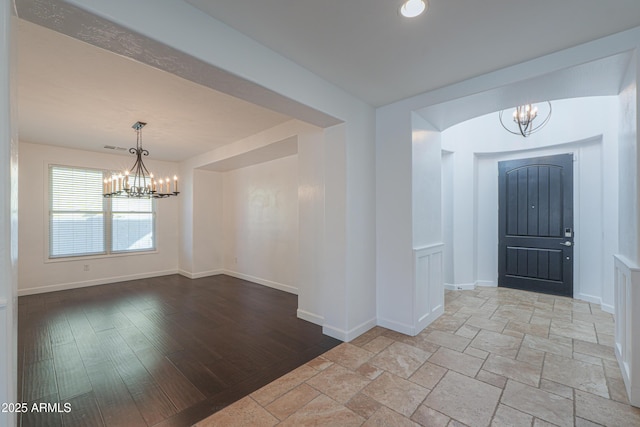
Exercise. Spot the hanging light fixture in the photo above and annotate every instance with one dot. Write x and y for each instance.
(523, 117)
(138, 182)
(413, 8)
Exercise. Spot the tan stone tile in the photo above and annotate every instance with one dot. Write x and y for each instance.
(588, 359)
(456, 423)
(581, 422)
(491, 378)
(420, 341)
(322, 411)
(244, 412)
(396, 393)
(541, 423)
(480, 354)
(428, 375)
(605, 328)
(468, 331)
(605, 411)
(611, 369)
(591, 318)
(369, 371)
(514, 369)
(290, 402)
(496, 343)
(509, 417)
(378, 344)
(426, 416)
(528, 328)
(368, 336)
(592, 349)
(348, 355)
(546, 345)
(488, 324)
(459, 362)
(319, 363)
(400, 359)
(338, 383)
(576, 374)
(468, 400)
(561, 339)
(531, 356)
(577, 330)
(555, 388)
(448, 323)
(386, 417)
(513, 313)
(564, 316)
(617, 390)
(277, 388)
(539, 403)
(606, 339)
(363, 405)
(445, 339)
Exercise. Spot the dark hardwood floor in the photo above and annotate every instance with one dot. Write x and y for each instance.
(167, 351)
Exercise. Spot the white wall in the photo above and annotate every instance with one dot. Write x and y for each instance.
(39, 274)
(628, 158)
(260, 205)
(586, 127)
(8, 215)
(208, 223)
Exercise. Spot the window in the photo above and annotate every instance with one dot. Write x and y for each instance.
(82, 222)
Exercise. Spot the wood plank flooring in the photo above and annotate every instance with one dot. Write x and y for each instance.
(166, 352)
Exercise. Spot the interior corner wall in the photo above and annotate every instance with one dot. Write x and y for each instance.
(208, 235)
(311, 226)
(8, 214)
(260, 217)
(39, 274)
(628, 163)
(394, 234)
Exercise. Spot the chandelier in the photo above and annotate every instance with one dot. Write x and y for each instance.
(138, 182)
(523, 117)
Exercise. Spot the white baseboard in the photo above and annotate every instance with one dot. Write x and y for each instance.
(427, 319)
(310, 317)
(201, 274)
(96, 282)
(460, 286)
(403, 328)
(588, 298)
(608, 308)
(486, 283)
(280, 286)
(351, 334)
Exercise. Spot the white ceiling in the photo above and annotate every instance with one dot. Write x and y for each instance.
(76, 95)
(368, 49)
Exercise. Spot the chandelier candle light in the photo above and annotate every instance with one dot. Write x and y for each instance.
(523, 117)
(138, 182)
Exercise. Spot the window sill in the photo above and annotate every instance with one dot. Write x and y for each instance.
(101, 256)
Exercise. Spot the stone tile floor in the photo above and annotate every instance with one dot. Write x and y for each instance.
(497, 357)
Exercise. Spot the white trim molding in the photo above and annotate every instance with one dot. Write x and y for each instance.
(460, 286)
(349, 335)
(428, 286)
(310, 317)
(201, 274)
(627, 321)
(96, 282)
(3, 303)
(275, 285)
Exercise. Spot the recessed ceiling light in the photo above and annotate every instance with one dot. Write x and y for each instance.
(413, 8)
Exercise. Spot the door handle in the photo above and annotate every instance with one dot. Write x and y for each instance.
(566, 243)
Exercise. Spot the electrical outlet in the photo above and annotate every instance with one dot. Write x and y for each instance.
(86, 267)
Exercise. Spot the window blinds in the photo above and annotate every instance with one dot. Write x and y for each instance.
(76, 215)
(132, 225)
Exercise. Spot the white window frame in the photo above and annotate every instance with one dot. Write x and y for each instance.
(108, 221)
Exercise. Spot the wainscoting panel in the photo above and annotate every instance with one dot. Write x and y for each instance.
(627, 324)
(428, 285)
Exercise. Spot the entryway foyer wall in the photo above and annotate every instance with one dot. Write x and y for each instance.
(586, 127)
